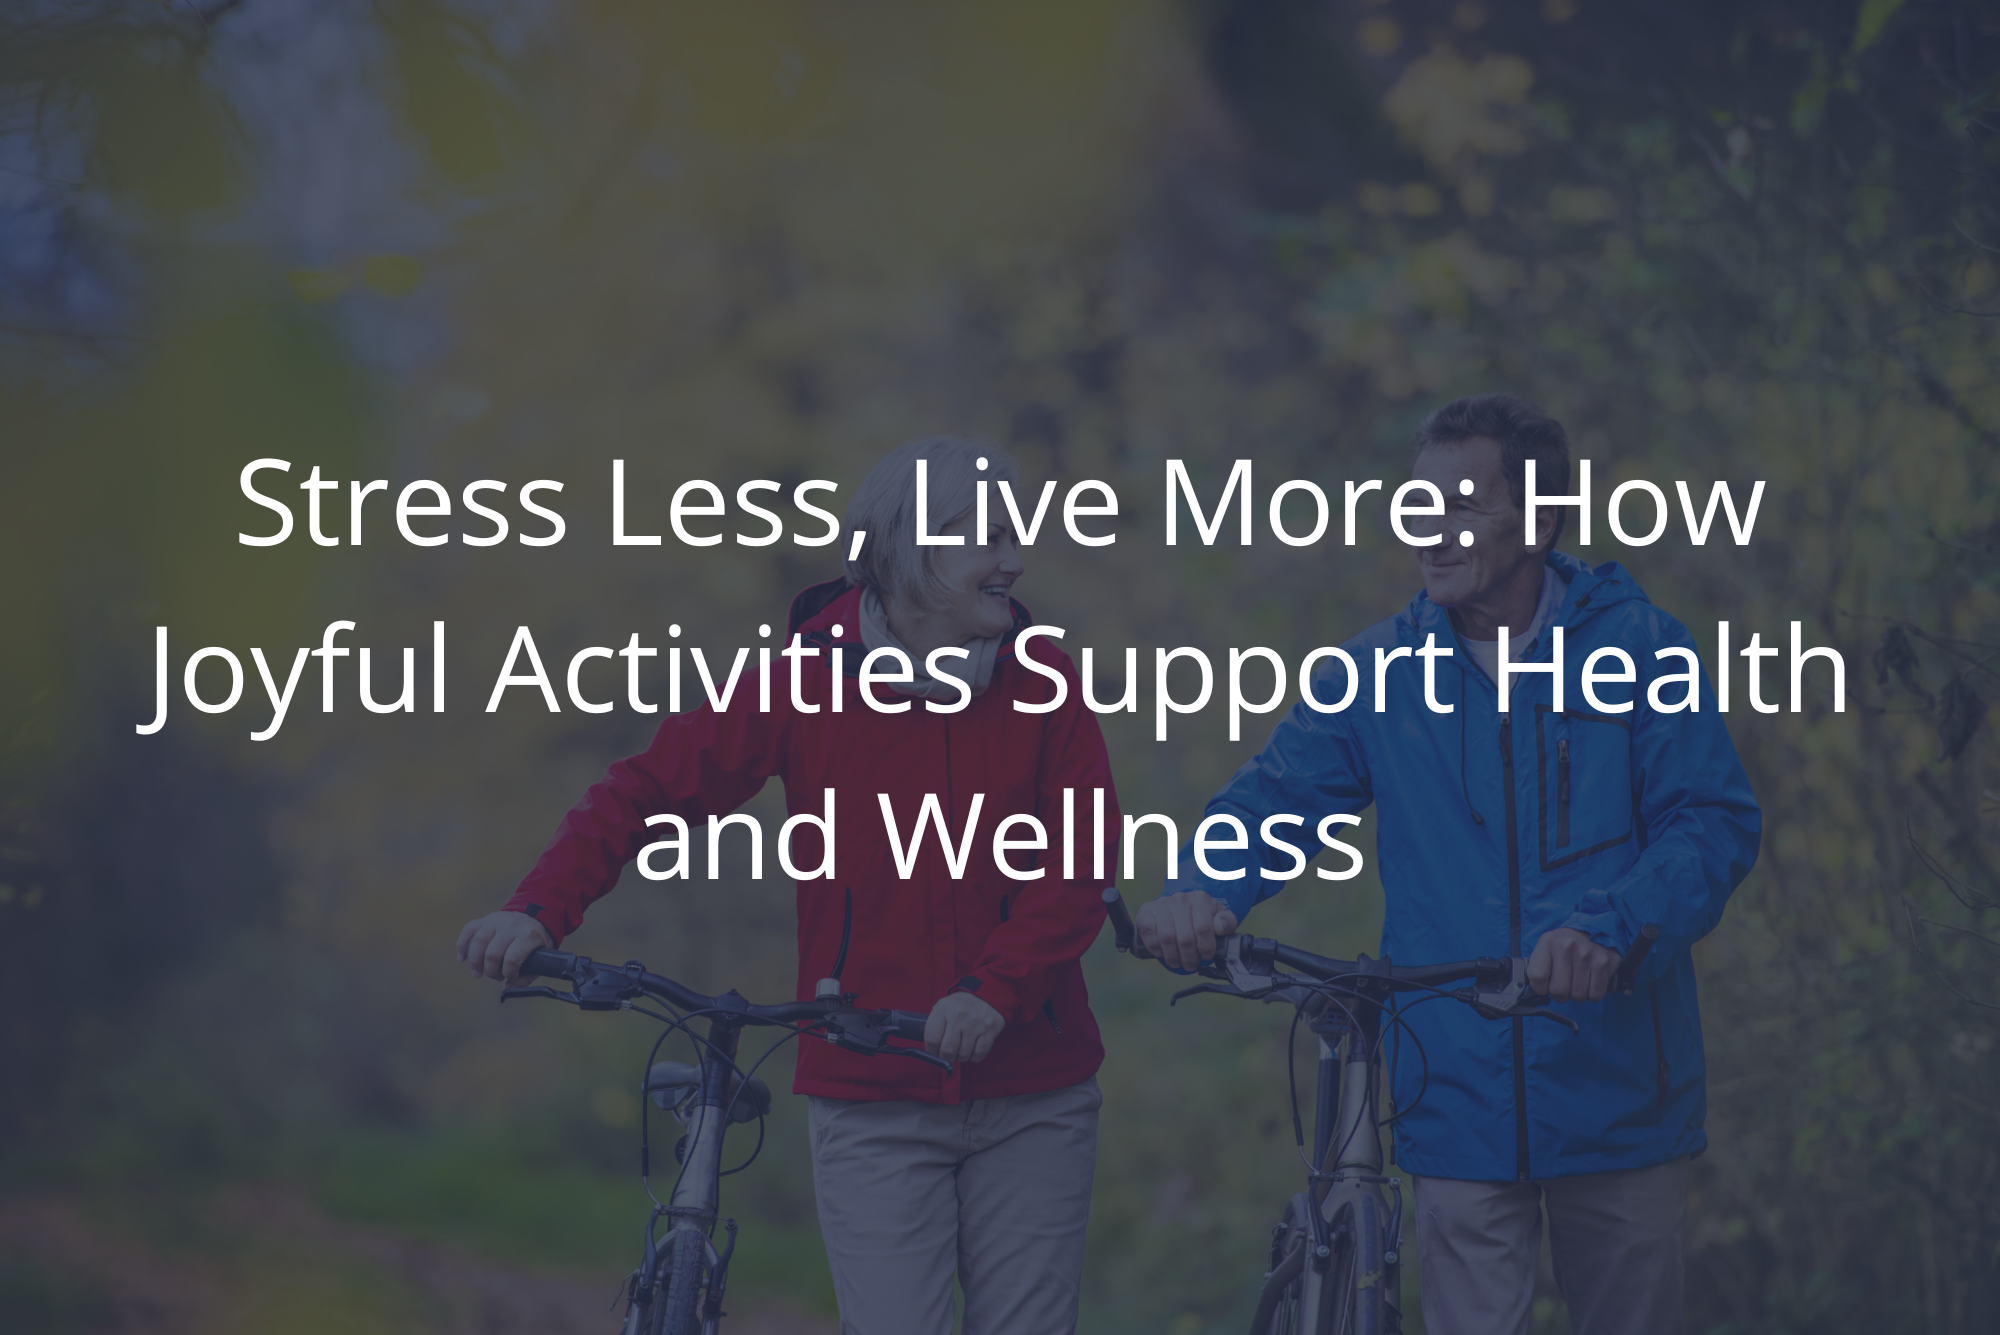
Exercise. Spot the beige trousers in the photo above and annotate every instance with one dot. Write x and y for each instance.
(1615, 1240)
(996, 1191)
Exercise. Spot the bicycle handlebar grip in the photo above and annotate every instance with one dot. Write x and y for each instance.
(1123, 934)
(1627, 976)
(547, 964)
(907, 1024)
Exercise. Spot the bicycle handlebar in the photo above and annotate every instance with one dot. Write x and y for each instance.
(907, 1024)
(1123, 934)
(1627, 976)
(1489, 975)
(596, 986)
(595, 982)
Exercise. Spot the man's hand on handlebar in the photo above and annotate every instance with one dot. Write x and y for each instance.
(495, 945)
(962, 1028)
(1569, 966)
(1182, 929)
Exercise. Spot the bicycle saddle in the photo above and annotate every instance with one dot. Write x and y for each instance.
(671, 1082)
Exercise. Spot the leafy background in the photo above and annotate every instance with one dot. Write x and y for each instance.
(246, 1089)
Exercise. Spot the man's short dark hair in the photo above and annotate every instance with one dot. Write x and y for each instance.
(1523, 432)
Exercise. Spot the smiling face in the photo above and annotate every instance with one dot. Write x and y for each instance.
(975, 584)
(1484, 579)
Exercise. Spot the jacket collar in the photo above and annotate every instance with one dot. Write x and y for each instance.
(817, 610)
(1591, 590)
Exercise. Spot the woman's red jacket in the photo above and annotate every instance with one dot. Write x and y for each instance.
(1014, 944)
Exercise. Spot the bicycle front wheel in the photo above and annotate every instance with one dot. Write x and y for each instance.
(680, 1290)
(1347, 1297)
(1280, 1304)
(1352, 1303)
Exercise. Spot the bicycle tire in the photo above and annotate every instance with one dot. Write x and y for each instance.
(1351, 1291)
(1356, 1303)
(680, 1289)
(1278, 1301)
(1277, 1308)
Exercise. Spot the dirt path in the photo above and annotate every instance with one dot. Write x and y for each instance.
(263, 1260)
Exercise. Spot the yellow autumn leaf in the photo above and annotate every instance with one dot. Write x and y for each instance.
(1448, 107)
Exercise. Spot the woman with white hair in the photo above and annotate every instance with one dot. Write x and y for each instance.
(983, 1172)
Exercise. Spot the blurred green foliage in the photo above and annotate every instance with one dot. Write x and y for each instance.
(51, 1302)
(456, 241)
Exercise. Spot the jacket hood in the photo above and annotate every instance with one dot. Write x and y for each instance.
(1592, 590)
(817, 610)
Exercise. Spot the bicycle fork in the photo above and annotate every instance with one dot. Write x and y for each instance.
(1347, 1145)
(691, 1210)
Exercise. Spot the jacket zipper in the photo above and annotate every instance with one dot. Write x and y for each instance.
(1659, 1045)
(1562, 792)
(1049, 1005)
(1514, 945)
(953, 1079)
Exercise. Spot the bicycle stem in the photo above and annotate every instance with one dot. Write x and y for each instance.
(697, 1194)
(1357, 1139)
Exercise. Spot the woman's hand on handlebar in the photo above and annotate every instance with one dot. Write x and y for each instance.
(495, 945)
(1569, 966)
(962, 1028)
(1182, 929)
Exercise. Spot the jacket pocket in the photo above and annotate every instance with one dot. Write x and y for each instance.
(1562, 792)
(1584, 783)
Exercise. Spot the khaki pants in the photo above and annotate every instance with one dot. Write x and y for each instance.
(1615, 1240)
(996, 1190)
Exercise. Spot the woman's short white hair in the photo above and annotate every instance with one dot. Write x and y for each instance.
(885, 508)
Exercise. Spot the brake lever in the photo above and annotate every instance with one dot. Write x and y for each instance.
(927, 1058)
(1513, 1004)
(1501, 1004)
(1532, 1011)
(508, 993)
(1216, 988)
(1246, 980)
(856, 1033)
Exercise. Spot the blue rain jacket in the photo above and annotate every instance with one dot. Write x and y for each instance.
(1595, 820)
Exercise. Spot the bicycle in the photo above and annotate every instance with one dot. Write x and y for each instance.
(1336, 1253)
(679, 1285)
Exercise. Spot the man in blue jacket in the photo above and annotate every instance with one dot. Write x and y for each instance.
(1508, 826)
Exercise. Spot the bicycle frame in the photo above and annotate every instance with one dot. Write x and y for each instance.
(697, 1194)
(696, 1201)
(686, 1263)
(1343, 1209)
(1347, 1147)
